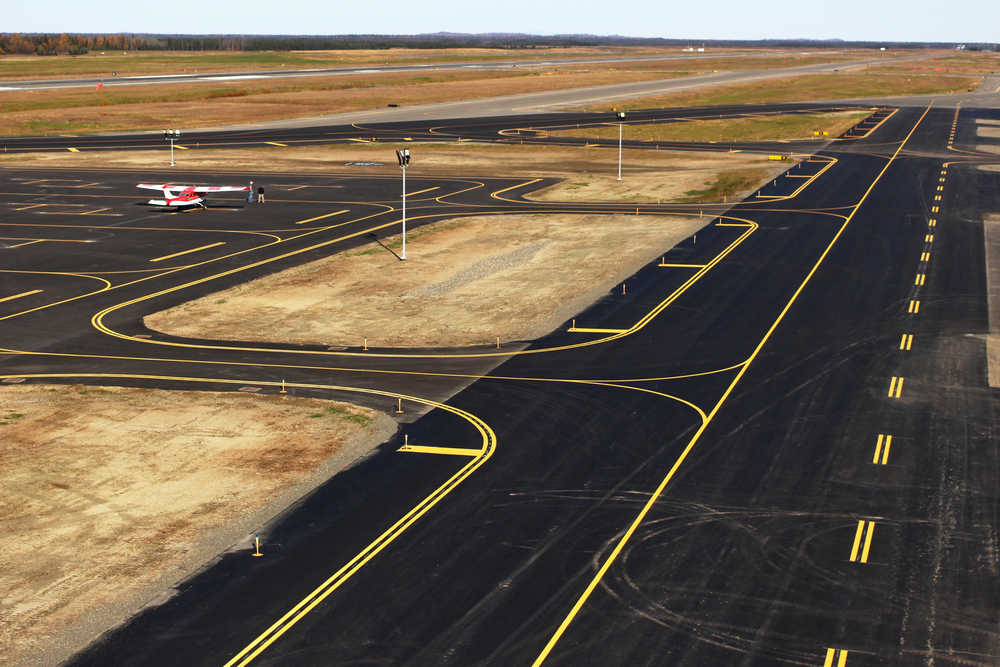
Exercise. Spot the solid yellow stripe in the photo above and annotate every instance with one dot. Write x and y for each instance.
(899, 387)
(320, 217)
(892, 386)
(683, 266)
(654, 497)
(179, 147)
(276, 143)
(885, 453)
(73, 150)
(425, 449)
(420, 192)
(18, 296)
(857, 541)
(843, 658)
(185, 252)
(878, 448)
(829, 657)
(589, 330)
(868, 541)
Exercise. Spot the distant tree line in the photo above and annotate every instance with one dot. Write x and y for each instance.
(52, 44)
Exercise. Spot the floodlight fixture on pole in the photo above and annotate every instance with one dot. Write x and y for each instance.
(171, 136)
(403, 157)
(621, 120)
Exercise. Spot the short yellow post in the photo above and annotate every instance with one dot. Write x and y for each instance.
(399, 406)
(694, 241)
(498, 342)
(364, 346)
(574, 324)
(282, 387)
(623, 288)
(637, 210)
(406, 440)
(256, 546)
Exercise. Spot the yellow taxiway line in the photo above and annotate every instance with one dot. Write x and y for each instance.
(658, 492)
(22, 294)
(188, 252)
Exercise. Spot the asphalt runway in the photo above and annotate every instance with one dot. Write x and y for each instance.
(195, 77)
(706, 479)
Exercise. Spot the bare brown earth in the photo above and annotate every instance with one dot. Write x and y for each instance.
(112, 495)
(760, 128)
(465, 282)
(843, 85)
(590, 173)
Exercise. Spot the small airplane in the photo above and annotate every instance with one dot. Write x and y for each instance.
(187, 195)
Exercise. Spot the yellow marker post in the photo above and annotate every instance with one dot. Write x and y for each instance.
(282, 387)
(623, 289)
(256, 543)
(498, 342)
(364, 345)
(399, 406)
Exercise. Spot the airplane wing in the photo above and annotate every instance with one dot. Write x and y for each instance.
(197, 188)
(221, 188)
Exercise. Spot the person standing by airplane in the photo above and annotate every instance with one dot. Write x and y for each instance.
(260, 195)
(250, 193)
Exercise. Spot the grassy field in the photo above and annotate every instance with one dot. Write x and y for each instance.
(962, 62)
(178, 62)
(204, 104)
(801, 88)
(762, 128)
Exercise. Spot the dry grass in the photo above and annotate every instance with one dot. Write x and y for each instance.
(967, 62)
(589, 173)
(209, 104)
(138, 63)
(762, 128)
(111, 495)
(802, 88)
(465, 282)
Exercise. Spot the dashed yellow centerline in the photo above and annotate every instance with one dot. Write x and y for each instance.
(857, 547)
(186, 252)
(832, 654)
(906, 342)
(882, 445)
(895, 387)
(914, 307)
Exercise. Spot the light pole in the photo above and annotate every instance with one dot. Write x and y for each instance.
(621, 120)
(171, 136)
(404, 161)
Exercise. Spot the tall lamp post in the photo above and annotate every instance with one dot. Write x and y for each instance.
(404, 161)
(621, 120)
(171, 136)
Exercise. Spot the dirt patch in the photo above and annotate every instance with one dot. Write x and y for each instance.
(680, 176)
(988, 131)
(800, 88)
(763, 128)
(113, 495)
(465, 282)
(590, 173)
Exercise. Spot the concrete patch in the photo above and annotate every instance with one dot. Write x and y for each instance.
(991, 233)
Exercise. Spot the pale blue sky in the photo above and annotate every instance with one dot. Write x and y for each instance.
(898, 20)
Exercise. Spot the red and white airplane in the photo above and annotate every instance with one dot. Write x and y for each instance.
(187, 195)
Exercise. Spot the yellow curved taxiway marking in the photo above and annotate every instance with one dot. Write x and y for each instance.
(337, 579)
(98, 319)
(655, 496)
